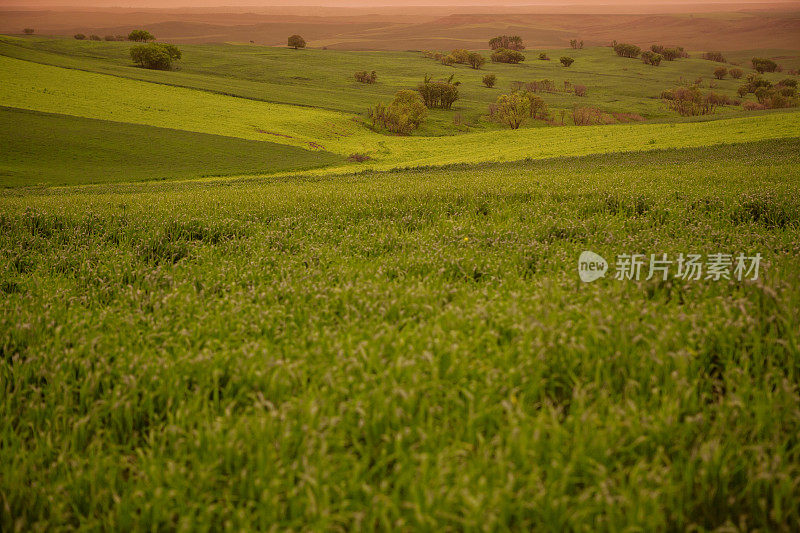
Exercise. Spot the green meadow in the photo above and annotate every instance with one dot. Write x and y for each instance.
(213, 318)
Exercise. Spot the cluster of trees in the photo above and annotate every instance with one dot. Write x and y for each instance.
(575, 44)
(589, 116)
(507, 55)
(651, 58)
(133, 36)
(691, 101)
(518, 107)
(769, 95)
(440, 94)
(158, 56)
(714, 56)
(669, 54)
(763, 64)
(458, 56)
(512, 42)
(366, 77)
(402, 115)
(627, 50)
(295, 41)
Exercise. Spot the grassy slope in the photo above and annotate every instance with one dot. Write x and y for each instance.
(405, 350)
(324, 78)
(49, 149)
(53, 89)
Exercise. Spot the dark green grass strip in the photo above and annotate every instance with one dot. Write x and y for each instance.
(50, 149)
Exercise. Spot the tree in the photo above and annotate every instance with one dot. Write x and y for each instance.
(714, 56)
(736, 73)
(504, 55)
(460, 55)
(627, 50)
(512, 109)
(28, 31)
(566, 61)
(489, 80)
(573, 43)
(720, 72)
(513, 42)
(80, 36)
(141, 36)
(441, 94)
(762, 65)
(651, 58)
(476, 60)
(403, 114)
(157, 56)
(295, 41)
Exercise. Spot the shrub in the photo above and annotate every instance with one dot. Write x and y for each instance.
(476, 60)
(543, 57)
(690, 101)
(753, 106)
(95, 38)
(505, 55)
(441, 94)
(404, 114)
(587, 116)
(511, 109)
(157, 56)
(762, 65)
(735, 73)
(358, 158)
(448, 60)
(720, 73)
(80, 36)
(671, 54)
(513, 42)
(295, 41)
(460, 55)
(627, 50)
(651, 58)
(538, 108)
(714, 56)
(580, 90)
(109, 38)
(575, 44)
(141, 36)
(28, 31)
(363, 76)
(566, 61)
(489, 80)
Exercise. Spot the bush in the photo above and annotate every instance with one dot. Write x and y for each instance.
(580, 90)
(95, 38)
(109, 38)
(513, 42)
(28, 31)
(720, 73)
(714, 56)
(753, 106)
(735, 73)
(588, 116)
(489, 80)
(80, 36)
(295, 41)
(543, 57)
(511, 109)
(476, 60)
(651, 58)
(363, 76)
(505, 55)
(762, 65)
(627, 50)
(690, 101)
(566, 61)
(157, 56)
(448, 60)
(403, 115)
(441, 94)
(141, 36)
(460, 56)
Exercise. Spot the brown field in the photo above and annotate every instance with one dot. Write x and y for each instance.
(695, 27)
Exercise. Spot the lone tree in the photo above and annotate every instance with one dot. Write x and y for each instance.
(157, 56)
(489, 80)
(566, 61)
(28, 31)
(720, 72)
(512, 109)
(141, 36)
(476, 60)
(295, 41)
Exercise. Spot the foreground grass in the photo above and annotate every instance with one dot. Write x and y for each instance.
(50, 149)
(404, 350)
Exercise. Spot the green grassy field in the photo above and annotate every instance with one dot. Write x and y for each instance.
(406, 350)
(212, 319)
(50, 149)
